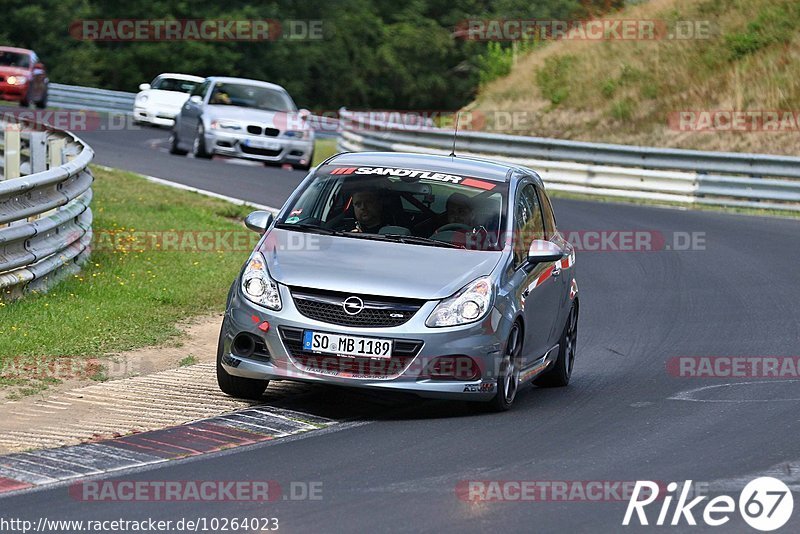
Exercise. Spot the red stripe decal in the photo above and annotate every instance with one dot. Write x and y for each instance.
(479, 184)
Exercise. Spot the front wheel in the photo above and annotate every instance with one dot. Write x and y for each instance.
(236, 386)
(561, 372)
(508, 377)
(199, 145)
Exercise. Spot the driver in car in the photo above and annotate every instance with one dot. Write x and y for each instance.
(459, 210)
(368, 209)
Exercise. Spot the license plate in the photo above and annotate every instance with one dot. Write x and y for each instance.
(368, 347)
(259, 143)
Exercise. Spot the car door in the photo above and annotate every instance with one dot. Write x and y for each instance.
(565, 267)
(538, 292)
(191, 112)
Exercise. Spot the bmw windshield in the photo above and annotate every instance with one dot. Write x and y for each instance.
(405, 205)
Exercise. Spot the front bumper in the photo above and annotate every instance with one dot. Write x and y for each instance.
(246, 146)
(480, 341)
(158, 116)
(13, 93)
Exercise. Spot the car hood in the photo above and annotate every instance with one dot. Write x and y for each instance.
(371, 267)
(13, 71)
(166, 98)
(277, 119)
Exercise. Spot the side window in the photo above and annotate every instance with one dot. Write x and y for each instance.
(527, 223)
(200, 90)
(549, 217)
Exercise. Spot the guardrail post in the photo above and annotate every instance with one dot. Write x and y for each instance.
(38, 144)
(11, 152)
(56, 152)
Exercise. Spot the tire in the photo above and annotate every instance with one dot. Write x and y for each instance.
(236, 386)
(42, 103)
(174, 147)
(199, 144)
(561, 372)
(508, 377)
(307, 166)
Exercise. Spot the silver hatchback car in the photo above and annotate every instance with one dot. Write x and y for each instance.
(441, 276)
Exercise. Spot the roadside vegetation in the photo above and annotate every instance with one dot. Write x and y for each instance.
(160, 257)
(625, 91)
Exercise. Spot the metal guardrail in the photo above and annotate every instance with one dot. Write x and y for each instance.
(121, 102)
(102, 100)
(684, 176)
(45, 219)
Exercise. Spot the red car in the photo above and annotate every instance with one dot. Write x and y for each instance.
(23, 77)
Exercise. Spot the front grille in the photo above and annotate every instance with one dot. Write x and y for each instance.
(259, 151)
(254, 129)
(403, 354)
(328, 307)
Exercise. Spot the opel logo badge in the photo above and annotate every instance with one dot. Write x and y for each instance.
(353, 305)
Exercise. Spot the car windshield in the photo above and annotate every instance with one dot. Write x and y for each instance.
(250, 96)
(174, 84)
(411, 206)
(14, 59)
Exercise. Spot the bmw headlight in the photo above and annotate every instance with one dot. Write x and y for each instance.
(470, 304)
(297, 134)
(257, 285)
(225, 125)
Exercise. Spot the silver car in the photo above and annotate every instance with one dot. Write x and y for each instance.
(441, 276)
(243, 119)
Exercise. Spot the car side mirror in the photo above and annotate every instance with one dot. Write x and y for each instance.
(258, 221)
(38, 66)
(144, 87)
(542, 251)
(304, 114)
(197, 99)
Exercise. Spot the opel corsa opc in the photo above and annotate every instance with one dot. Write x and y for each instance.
(441, 276)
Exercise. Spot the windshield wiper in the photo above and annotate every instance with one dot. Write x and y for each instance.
(416, 240)
(305, 227)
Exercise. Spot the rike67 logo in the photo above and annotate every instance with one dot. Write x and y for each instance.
(765, 504)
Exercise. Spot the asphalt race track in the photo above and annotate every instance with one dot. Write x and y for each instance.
(617, 421)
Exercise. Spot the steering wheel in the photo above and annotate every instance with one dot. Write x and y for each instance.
(453, 227)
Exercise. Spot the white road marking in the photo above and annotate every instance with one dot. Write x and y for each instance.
(689, 395)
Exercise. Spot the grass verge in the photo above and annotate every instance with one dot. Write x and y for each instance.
(160, 256)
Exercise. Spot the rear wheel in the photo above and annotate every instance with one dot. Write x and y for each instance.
(42, 103)
(561, 372)
(174, 147)
(508, 377)
(236, 386)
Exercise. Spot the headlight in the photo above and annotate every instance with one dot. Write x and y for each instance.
(225, 125)
(17, 80)
(257, 285)
(141, 99)
(297, 134)
(470, 304)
